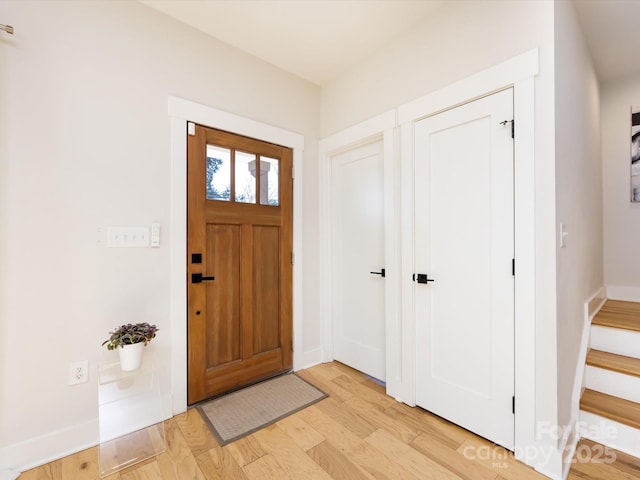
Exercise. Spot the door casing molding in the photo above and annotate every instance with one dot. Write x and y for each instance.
(519, 73)
(381, 127)
(182, 111)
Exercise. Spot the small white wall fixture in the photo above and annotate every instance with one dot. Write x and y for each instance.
(182, 111)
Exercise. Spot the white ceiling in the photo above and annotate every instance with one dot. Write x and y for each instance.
(611, 31)
(314, 39)
(320, 39)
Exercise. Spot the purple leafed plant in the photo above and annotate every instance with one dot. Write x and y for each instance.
(129, 334)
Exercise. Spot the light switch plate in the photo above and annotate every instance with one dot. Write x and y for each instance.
(563, 235)
(127, 237)
(155, 234)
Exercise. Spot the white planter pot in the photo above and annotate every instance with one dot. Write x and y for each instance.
(131, 356)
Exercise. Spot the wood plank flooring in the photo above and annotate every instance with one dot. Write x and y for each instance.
(356, 433)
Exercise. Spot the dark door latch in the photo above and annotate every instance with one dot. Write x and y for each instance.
(422, 278)
(381, 273)
(198, 278)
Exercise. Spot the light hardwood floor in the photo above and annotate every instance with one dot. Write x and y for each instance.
(356, 433)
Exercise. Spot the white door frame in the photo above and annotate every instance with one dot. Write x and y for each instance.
(519, 73)
(381, 127)
(180, 112)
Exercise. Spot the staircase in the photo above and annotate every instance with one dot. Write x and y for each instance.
(610, 403)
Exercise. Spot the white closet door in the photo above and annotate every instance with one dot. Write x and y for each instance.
(358, 250)
(464, 246)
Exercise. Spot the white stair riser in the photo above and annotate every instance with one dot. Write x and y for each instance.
(609, 433)
(615, 340)
(612, 383)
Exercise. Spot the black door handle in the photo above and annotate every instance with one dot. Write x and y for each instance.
(198, 278)
(422, 278)
(381, 273)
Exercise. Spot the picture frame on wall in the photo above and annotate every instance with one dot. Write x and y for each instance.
(635, 154)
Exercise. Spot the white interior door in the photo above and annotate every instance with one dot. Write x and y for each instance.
(358, 251)
(464, 242)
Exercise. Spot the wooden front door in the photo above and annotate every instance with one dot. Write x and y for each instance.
(239, 242)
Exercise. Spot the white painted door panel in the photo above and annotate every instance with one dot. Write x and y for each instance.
(358, 250)
(464, 242)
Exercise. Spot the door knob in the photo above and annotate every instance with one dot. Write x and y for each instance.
(198, 278)
(381, 273)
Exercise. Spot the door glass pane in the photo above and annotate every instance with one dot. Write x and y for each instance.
(218, 173)
(245, 177)
(269, 181)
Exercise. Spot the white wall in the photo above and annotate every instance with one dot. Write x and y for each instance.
(621, 216)
(84, 143)
(461, 39)
(578, 196)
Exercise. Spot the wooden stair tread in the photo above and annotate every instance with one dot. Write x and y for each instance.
(614, 362)
(614, 408)
(619, 314)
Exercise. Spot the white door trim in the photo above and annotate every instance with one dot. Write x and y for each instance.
(180, 112)
(481, 84)
(518, 73)
(380, 127)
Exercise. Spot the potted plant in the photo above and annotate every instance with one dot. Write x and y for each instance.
(130, 339)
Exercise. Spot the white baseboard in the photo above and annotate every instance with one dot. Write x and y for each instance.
(571, 435)
(47, 448)
(591, 308)
(596, 301)
(568, 444)
(9, 474)
(624, 293)
(311, 358)
(552, 468)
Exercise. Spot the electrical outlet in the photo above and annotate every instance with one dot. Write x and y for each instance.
(78, 372)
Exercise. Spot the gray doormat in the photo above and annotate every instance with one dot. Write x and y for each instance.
(245, 411)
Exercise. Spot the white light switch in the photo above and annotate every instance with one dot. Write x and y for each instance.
(563, 235)
(155, 234)
(127, 237)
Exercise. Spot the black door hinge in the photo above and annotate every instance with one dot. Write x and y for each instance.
(513, 404)
(513, 267)
(513, 126)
